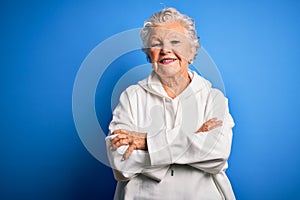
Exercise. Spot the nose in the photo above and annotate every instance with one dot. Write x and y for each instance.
(166, 48)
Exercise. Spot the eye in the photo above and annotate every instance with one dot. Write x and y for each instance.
(175, 42)
(156, 45)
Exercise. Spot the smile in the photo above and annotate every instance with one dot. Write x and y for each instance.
(166, 61)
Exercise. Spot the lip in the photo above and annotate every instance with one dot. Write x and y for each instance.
(166, 61)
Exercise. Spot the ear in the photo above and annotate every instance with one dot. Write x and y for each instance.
(193, 51)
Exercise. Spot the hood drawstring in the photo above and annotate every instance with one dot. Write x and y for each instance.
(165, 118)
(165, 111)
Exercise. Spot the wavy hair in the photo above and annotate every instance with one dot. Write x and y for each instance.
(164, 16)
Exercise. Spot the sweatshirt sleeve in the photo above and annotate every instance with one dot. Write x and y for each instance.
(139, 160)
(206, 151)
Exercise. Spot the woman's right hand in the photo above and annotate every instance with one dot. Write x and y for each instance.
(135, 140)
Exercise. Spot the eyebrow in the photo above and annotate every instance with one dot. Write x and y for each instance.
(173, 35)
(154, 37)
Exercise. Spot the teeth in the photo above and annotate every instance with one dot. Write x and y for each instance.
(167, 60)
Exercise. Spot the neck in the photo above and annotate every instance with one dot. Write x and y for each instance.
(176, 84)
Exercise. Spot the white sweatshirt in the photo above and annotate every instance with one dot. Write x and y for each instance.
(179, 164)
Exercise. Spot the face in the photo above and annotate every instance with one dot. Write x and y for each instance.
(170, 50)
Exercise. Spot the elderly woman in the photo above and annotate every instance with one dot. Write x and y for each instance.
(170, 136)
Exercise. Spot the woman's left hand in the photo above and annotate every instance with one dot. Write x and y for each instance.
(210, 125)
(135, 140)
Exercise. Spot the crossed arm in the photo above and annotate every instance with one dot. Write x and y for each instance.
(132, 153)
(138, 141)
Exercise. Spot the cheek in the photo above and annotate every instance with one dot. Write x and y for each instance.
(181, 53)
(154, 54)
(184, 52)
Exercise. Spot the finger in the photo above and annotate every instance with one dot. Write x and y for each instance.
(216, 125)
(209, 125)
(120, 131)
(211, 120)
(121, 142)
(119, 137)
(116, 132)
(219, 122)
(128, 152)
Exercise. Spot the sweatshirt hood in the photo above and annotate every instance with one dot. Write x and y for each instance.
(153, 85)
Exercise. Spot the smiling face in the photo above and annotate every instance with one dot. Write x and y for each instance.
(170, 50)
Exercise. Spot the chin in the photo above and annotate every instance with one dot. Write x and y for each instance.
(166, 71)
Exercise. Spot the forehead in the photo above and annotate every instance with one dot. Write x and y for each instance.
(171, 28)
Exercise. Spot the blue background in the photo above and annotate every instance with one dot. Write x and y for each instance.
(255, 45)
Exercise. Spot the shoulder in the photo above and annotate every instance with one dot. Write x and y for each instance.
(216, 93)
(133, 90)
(202, 84)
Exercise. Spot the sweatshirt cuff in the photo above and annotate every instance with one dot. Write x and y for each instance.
(158, 148)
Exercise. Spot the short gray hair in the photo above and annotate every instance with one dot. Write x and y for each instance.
(165, 16)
